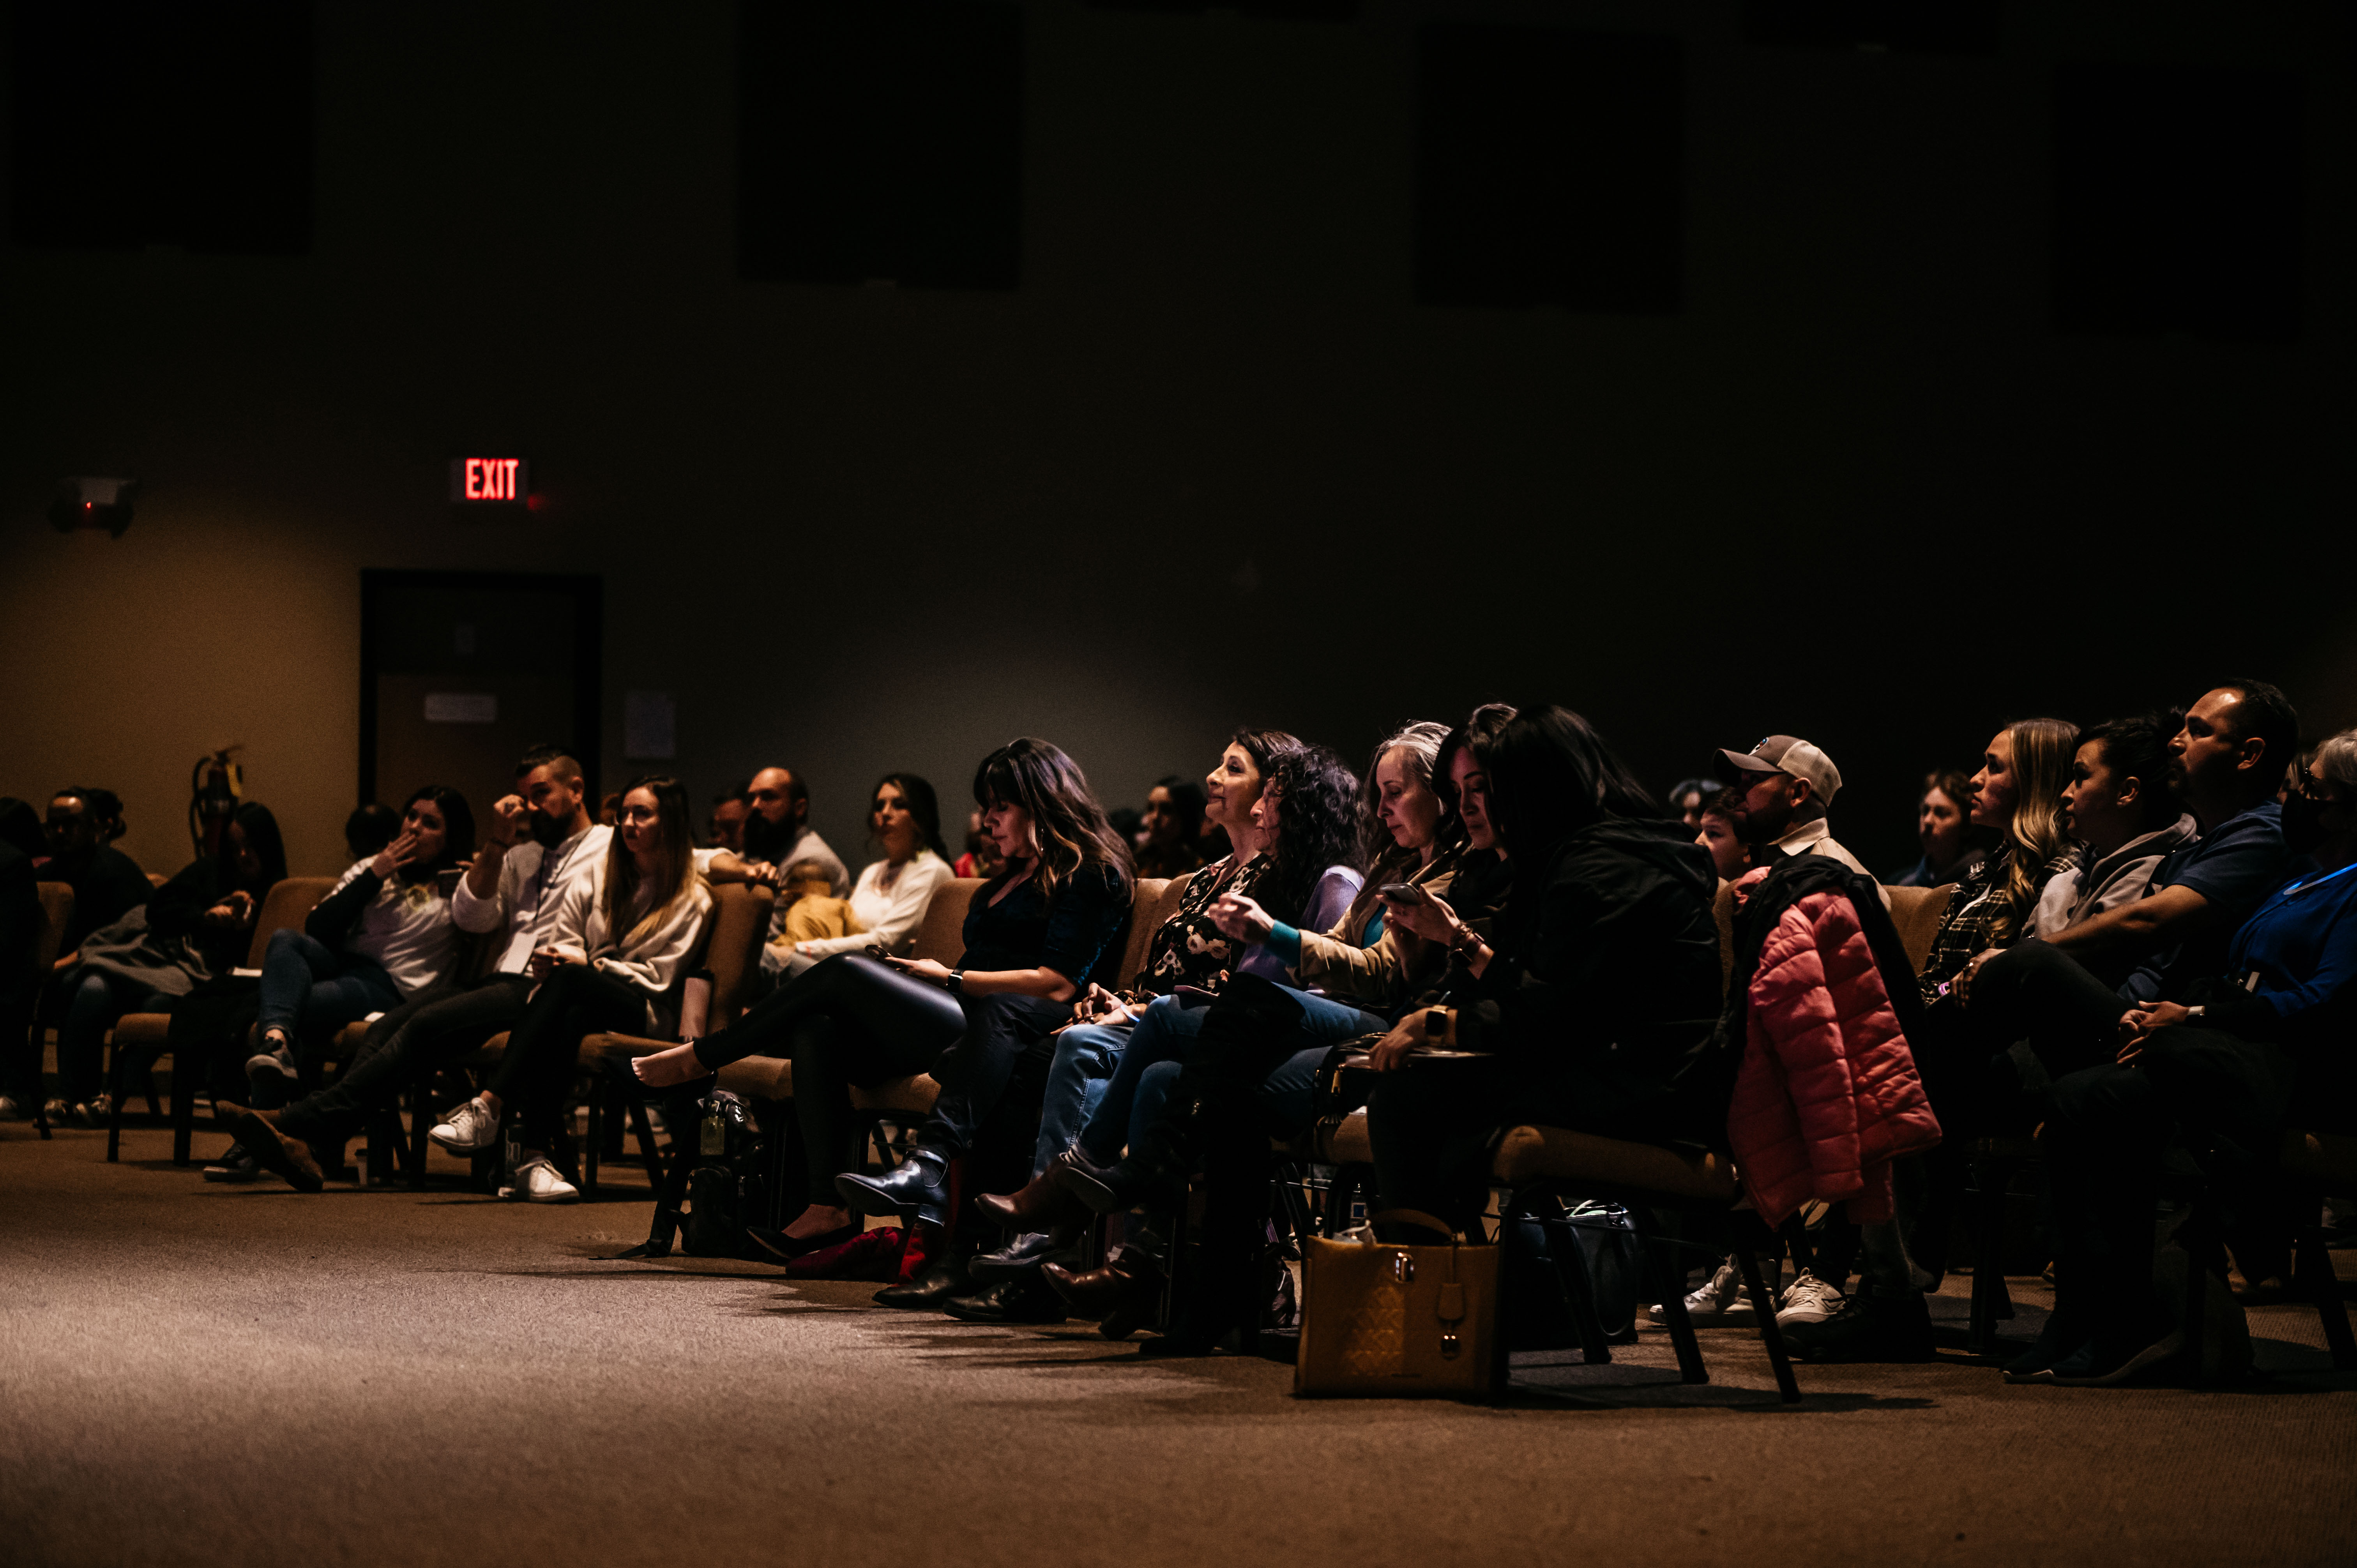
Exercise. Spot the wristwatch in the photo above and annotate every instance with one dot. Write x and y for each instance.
(957, 982)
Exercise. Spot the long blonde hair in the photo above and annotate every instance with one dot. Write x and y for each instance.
(2043, 751)
(676, 877)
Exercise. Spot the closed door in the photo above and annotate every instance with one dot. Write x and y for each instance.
(461, 672)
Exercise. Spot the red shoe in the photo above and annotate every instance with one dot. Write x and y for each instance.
(870, 1255)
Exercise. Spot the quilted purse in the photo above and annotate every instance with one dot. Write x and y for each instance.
(1396, 1321)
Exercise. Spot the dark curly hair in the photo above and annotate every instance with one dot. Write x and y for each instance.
(1317, 826)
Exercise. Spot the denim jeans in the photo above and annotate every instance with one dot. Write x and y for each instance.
(1087, 1056)
(95, 1001)
(1284, 1094)
(310, 989)
(1168, 1033)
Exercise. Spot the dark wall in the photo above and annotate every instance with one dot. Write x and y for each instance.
(1210, 463)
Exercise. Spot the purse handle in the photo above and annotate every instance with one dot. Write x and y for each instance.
(1416, 1216)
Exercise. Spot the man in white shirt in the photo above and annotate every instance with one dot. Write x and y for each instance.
(541, 845)
(1782, 788)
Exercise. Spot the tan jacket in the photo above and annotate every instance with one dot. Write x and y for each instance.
(1397, 966)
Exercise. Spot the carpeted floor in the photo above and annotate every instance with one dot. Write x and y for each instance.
(193, 1373)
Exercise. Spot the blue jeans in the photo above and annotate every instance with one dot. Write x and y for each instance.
(93, 1002)
(1286, 1095)
(1087, 1058)
(1166, 1035)
(309, 990)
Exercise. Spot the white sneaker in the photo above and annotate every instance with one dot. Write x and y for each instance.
(471, 1129)
(537, 1180)
(59, 1113)
(1720, 1301)
(1810, 1300)
(12, 1112)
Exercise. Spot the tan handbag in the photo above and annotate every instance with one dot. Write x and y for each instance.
(1398, 1321)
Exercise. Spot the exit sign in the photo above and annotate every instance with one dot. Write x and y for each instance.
(498, 479)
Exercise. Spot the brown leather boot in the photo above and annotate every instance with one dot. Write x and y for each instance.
(1125, 1286)
(1042, 1205)
(277, 1151)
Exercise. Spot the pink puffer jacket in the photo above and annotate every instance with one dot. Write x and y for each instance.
(1827, 1095)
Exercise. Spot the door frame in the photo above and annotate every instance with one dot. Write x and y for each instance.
(587, 591)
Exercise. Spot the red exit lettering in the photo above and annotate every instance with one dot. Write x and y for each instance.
(488, 479)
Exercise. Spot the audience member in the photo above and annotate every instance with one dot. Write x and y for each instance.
(726, 829)
(370, 828)
(904, 823)
(1718, 833)
(2018, 795)
(2120, 808)
(1945, 829)
(383, 934)
(1599, 978)
(1782, 788)
(198, 925)
(2217, 1061)
(980, 858)
(1170, 829)
(528, 881)
(1688, 797)
(107, 884)
(1032, 937)
(20, 978)
(624, 940)
(777, 833)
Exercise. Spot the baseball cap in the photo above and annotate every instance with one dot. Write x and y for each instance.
(1782, 754)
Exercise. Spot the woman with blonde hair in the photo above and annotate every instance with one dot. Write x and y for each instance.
(642, 920)
(2017, 794)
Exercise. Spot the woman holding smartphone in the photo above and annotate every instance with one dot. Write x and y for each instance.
(1032, 935)
(1291, 815)
(384, 933)
(641, 918)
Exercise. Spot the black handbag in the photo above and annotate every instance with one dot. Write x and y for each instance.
(725, 1191)
(1558, 1265)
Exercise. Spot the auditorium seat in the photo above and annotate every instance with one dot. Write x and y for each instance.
(284, 908)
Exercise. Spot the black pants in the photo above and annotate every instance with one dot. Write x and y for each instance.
(849, 1020)
(2036, 1016)
(436, 1026)
(536, 1071)
(2106, 1129)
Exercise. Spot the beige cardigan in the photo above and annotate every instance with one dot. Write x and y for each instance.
(1398, 965)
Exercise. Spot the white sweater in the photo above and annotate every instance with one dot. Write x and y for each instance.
(657, 959)
(891, 913)
(405, 927)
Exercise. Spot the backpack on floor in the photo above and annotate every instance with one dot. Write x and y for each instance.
(726, 1190)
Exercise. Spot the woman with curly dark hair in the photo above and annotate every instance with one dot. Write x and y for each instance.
(1290, 811)
(1033, 934)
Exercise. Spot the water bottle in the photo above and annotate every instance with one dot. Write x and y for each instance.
(715, 1140)
(513, 1151)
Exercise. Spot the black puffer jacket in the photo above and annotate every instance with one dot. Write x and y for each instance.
(1606, 961)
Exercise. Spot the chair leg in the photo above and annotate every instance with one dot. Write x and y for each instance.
(421, 1120)
(2312, 1272)
(114, 1106)
(184, 1111)
(1988, 1234)
(1664, 1250)
(1763, 1306)
(597, 1141)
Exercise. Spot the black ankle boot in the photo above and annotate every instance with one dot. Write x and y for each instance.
(918, 1190)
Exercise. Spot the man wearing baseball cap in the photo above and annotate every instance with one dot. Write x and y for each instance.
(1781, 789)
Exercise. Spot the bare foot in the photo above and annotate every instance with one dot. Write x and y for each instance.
(664, 1069)
(817, 1222)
